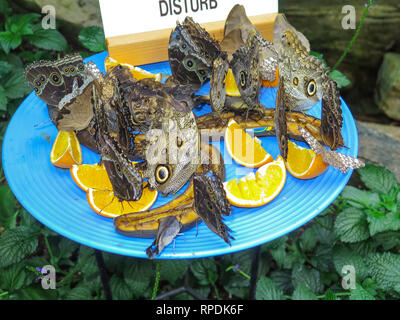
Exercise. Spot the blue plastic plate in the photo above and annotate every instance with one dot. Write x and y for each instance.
(51, 196)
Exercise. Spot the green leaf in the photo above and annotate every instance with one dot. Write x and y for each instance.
(359, 293)
(339, 78)
(17, 243)
(388, 222)
(323, 229)
(3, 99)
(48, 39)
(268, 290)
(343, 256)
(93, 38)
(172, 270)
(370, 199)
(205, 270)
(351, 225)
(119, 288)
(8, 204)
(9, 41)
(384, 269)
(5, 7)
(16, 86)
(137, 275)
(21, 24)
(5, 67)
(378, 179)
(309, 277)
(302, 292)
(283, 279)
(36, 292)
(81, 292)
(12, 277)
(322, 258)
(308, 240)
(388, 240)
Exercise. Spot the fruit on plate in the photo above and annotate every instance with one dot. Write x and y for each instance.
(254, 190)
(105, 203)
(137, 72)
(231, 88)
(92, 176)
(304, 163)
(66, 150)
(243, 148)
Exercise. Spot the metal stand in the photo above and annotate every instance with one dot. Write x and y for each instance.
(103, 274)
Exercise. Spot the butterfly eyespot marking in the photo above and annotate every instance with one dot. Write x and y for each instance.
(81, 67)
(189, 63)
(42, 78)
(72, 70)
(36, 89)
(202, 72)
(184, 46)
(162, 174)
(179, 142)
(118, 168)
(311, 88)
(55, 78)
(66, 70)
(242, 78)
(209, 205)
(295, 81)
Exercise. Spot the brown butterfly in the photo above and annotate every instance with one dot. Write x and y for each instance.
(280, 120)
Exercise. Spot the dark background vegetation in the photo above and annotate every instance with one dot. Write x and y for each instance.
(361, 227)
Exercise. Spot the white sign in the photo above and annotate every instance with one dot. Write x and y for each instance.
(122, 17)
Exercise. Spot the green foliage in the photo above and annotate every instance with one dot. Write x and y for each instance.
(92, 38)
(361, 228)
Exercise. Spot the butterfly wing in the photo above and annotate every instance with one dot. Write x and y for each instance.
(217, 83)
(280, 120)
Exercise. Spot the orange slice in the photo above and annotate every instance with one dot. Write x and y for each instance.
(106, 204)
(90, 176)
(231, 88)
(274, 83)
(303, 163)
(243, 148)
(137, 72)
(66, 150)
(255, 190)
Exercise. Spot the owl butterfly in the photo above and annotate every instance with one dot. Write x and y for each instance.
(237, 30)
(126, 180)
(210, 203)
(246, 71)
(57, 82)
(217, 83)
(280, 120)
(304, 75)
(336, 159)
(331, 116)
(65, 86)
(306, 80)
(191, 52)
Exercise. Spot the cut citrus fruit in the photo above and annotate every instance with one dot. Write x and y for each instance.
(254, 190)
(303, 163)
(105, 203)
(137, 72)
(243, 148)
(66, 150)
(231, 88)
(91, 176)
(273, 83)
